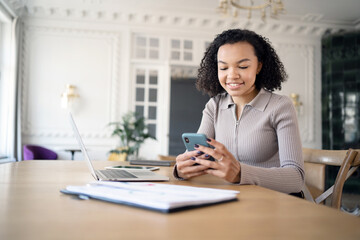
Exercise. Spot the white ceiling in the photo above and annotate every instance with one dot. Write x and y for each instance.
(330, 10)
(325, 11)
(336, 11)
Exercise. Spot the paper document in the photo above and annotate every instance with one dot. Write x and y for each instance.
(160, 197)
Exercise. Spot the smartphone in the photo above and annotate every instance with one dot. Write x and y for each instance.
(133, 167)
(190, 139)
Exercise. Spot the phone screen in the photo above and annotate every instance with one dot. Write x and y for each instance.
(190, 139)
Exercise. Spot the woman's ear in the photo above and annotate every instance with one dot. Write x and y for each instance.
(259, 68)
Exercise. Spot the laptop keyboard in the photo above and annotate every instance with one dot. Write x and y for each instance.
(113, 174)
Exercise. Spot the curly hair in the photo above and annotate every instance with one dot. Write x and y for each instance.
(270, 77)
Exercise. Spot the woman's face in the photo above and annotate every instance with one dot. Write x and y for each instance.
(237, 68)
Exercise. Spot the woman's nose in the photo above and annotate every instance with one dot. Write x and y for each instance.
(233, 73)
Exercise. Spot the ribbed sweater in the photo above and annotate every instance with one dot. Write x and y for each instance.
(265, 139)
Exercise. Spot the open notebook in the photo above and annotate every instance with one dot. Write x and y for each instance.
(154, 196)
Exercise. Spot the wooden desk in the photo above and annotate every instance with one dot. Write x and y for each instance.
(31, 207)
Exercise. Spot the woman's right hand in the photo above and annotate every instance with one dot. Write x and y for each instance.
(185, 165)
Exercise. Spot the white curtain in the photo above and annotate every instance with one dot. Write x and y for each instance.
(11, 131)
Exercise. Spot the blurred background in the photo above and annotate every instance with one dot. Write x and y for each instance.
(103, 58)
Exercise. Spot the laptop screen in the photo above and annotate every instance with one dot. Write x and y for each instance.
(82, 146)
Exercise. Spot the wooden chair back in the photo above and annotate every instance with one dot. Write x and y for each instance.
(315, 162)
(350, 164)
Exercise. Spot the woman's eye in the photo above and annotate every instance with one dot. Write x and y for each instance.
(243, 67)
(222, 68)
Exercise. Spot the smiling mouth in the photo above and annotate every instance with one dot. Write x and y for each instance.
(234, 84)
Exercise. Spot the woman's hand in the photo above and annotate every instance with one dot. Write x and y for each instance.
(185, 165)
(225, 165)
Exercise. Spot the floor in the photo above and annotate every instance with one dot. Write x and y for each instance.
(350, 203)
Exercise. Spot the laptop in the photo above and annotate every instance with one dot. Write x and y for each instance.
(120, 175)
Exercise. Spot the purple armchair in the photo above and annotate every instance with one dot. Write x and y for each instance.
(36, 152)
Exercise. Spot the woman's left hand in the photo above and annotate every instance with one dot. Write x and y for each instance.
(225, 165)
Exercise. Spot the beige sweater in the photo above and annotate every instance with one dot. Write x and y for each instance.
(265, 139)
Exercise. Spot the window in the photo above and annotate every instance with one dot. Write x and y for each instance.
(3, 114)
(7, 86)
(146, 47)
(146, 97)
(181, 50)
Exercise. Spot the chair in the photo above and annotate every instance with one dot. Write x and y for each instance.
(315, 162)
(32, 152)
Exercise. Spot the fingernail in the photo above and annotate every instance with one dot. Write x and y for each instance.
(208, 139)
(192, 158)
(207, 155)
(196, 145)
(200, 152)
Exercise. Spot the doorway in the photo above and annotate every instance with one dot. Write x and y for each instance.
(186, 106)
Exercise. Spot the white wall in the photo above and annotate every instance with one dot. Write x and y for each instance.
(92, 49)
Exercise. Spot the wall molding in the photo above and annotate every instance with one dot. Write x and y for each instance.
(307, 25)
(29, 34)
(309, 117)
(310, 94)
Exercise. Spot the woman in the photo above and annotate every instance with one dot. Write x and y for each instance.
(254, 132)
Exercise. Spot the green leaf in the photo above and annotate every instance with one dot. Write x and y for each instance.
(131, 130)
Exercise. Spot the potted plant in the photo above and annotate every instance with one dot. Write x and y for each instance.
(132, 132)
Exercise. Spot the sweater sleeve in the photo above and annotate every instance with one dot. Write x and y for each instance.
(289, 177)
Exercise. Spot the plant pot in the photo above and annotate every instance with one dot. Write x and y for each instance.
(118, 156)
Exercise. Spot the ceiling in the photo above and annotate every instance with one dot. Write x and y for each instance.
(324, 11)
(329, 11)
